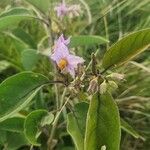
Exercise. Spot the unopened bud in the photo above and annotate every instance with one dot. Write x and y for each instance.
(116, 76)
(103, 147)
(103, 87)
(93, 86)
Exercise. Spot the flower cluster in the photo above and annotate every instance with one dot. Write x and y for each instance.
(63, 58)
(64, 9)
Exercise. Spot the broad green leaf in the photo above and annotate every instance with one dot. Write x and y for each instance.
(127, 48)
(13, 124)
(15, 141)
(15, 11)
(43, 5)
(33, 123)
(86, 40)
(29, 58)
(103, 124)
(24, 37)
(12, 20)
(76, 123)
(129, 129)
(4, 65)
(17, 91)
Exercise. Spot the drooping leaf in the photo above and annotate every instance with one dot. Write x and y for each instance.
(12, 20)
(29, 58)
(127, 48)
(103, 124)
(129, 129)
(33, 123)
(14, 124)
(17, 91)
(76, 123)
(15, 11)
(40, 5)
(87, 40)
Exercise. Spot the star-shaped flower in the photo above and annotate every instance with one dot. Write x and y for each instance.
(64, 60)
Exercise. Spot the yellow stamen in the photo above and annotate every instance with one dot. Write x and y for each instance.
(62, 64)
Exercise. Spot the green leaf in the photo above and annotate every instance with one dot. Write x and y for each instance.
(127, 48)
(24, 37)
(15, 11)
(13, 124)
(103, 124)
(4, 65)
(17, 91)
(15, 141)
(42, 6)
(86, 40)
(76, 123)
(29, 58)
(12, 20)
(33, 123)
(129, 129)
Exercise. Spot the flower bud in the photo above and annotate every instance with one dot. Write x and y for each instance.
(116, 76)
(103, 87)
(93, 86)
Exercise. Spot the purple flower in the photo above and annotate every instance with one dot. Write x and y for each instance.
(63, 9)
(64, 60)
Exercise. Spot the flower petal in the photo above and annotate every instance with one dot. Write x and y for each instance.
(60, 53)
(75, 60)
(63, 40)
(71, 70)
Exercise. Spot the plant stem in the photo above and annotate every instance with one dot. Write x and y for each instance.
(54, 125)
(88, 66)
(106, 30)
